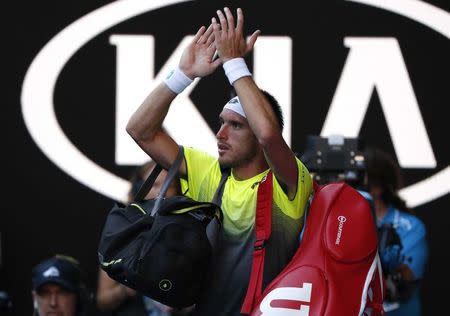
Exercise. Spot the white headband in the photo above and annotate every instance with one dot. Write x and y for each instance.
(235, 106)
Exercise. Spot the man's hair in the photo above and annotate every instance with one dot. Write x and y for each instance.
(276, 108)
(383, 171)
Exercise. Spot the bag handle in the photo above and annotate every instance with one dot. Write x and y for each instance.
(171, 173)
(147, 185)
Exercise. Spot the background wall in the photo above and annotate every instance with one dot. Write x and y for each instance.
(45, 210)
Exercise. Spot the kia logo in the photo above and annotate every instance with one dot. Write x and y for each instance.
(41, 121)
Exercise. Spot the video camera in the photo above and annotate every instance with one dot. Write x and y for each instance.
(335, 158)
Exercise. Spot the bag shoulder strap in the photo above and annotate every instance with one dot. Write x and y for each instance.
(217, 199)
(147, 185)
(263, 229)
(214, 227)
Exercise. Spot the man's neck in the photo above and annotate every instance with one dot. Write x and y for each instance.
(250, 169)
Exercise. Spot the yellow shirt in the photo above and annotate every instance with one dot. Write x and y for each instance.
(230, 273)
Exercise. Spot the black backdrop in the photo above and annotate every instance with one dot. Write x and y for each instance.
(46, 211)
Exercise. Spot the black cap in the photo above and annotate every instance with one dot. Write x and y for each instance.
(62, 270)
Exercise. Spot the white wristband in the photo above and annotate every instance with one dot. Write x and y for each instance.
(236, 68)
(177, 81)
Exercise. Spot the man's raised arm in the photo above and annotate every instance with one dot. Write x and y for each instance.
(145, 125)
(231, 46)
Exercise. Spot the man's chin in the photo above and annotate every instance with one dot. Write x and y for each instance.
(225, 163)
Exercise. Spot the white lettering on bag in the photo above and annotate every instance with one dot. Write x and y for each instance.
(302, 294)
(341, 219)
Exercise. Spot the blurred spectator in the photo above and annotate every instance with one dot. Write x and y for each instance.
(5, 304)
(402, 236)
(116, 297)
(58, 288)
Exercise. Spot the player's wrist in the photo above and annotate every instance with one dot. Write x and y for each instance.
(177, 80)
(235, 69)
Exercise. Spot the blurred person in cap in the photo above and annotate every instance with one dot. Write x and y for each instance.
(58, 288)
(403, 244)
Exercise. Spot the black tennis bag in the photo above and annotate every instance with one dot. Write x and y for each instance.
(160, 247)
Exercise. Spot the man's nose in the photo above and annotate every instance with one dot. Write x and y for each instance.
(222, 132)
(54, 299)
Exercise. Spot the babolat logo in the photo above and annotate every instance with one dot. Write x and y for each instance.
(341, 219)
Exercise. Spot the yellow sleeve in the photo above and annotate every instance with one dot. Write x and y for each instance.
(199, 165)
(295, 208)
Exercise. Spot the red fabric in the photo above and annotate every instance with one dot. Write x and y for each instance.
(263, 229)
(336, 269)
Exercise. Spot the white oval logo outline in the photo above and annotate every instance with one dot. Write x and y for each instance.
(38, 87)
(39, 83)
(438, 20)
